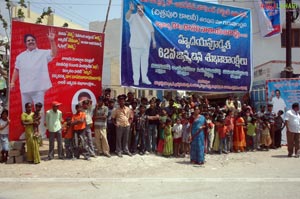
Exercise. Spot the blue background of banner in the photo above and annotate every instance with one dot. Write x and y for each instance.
(289, 90)
(211, 76)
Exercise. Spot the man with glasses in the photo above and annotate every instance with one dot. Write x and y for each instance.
(31, 68)
(142, 32)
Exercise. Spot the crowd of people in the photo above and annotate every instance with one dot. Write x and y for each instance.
(170, 128)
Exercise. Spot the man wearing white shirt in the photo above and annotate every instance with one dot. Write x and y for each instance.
(292, 122)
(31, 68)
(278, 102)
(141, 34)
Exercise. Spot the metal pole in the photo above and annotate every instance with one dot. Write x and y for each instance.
(288, 68)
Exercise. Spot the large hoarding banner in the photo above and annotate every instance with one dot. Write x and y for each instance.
(289, 90)
(268, 13)
(74, 74)
(186, 45)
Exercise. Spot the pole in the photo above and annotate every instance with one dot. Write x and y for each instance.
(288, 47)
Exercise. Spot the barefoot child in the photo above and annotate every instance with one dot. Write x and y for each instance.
(168, 146)
(177, 136)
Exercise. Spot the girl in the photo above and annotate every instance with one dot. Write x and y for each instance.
(266, 140)
(177, 135)
(251, 134)
(162, 122)
(185, 134)
(168, 146)
(222, 131)
(211, 133)
(239, 141)
(4, 122)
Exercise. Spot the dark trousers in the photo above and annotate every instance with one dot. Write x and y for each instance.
(69, 147)
(52, 136)
(277, 138)
(140, 141)
(111, 136)
(81, 146)
(293, 140)
(122, 139)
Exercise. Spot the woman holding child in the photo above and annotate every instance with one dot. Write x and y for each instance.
(32, 140)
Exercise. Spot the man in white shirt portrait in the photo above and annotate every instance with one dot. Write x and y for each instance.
(31, 67)
(278, 102)
(141, 35)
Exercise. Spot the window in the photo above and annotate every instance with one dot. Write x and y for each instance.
(295, 38)
(151, 92)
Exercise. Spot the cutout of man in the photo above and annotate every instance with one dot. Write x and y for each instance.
(31, 68)
(141, 34)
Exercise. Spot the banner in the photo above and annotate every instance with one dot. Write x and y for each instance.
(74, 74)
(186, 45)
(289, 90)
(268, 13)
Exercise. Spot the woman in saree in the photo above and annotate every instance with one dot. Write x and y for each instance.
(198, 124)
(239, 139)
(32, 140)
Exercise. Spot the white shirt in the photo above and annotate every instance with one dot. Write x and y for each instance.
(177, 129)
(33, 70)
(278, 104)
(140, 31)
(293, 119)
(5, 130)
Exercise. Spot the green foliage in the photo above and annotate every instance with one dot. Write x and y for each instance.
(48, 12)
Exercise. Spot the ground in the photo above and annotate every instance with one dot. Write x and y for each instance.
(248, 175)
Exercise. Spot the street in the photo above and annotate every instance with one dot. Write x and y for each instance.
(257, 174)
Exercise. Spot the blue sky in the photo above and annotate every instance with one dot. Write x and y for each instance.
(78, 11)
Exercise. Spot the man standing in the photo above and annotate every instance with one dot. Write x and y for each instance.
(153, 122)
(142, 32)
(31, 68)
(53, 123)
(292, 122)
(100, 124)
(122, 118)
(111, 128)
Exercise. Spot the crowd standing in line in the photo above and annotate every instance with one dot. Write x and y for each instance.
(170, 128)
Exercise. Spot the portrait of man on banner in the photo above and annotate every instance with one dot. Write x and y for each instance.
(141, 35)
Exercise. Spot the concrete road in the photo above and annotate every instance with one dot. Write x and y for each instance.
(267, 175)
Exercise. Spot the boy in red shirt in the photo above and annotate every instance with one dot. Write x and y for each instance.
(68, 138)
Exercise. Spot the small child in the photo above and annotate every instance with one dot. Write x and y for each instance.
(68, 138)
(177, 136)
(251, 134)
(162, 123)
(266, 140)
(185, 134)
(37, 121)
(4, 122)
(211, 133)
(222, 131)
(168, 146)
